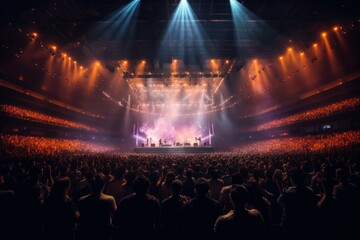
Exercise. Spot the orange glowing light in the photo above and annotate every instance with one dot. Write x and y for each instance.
(336, 28)
(227, 61)
(69, 58)
(81, 67)
(290, 49)
(53, 47)
(34, 34)
(125, 62)
(212, 60)
(255, 61)
(323, 34)
(143, 61)
(281, 58)
(97, 63)
(315, 45)
(64, 54)
(302, 54)
(75, 62)
(175, 60)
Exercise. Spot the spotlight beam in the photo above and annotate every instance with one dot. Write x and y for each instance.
(247, 26)
(118, 23)
(184, 34)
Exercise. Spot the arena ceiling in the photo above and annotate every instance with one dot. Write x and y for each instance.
(68, 23)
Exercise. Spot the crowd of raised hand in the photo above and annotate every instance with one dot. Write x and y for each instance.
(30, 115)
(325, 111)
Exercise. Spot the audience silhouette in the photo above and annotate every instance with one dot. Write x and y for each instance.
(274, 196)
(96, 211)
(241, 222)
(138, 215)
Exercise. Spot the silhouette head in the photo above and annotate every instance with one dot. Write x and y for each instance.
(176, 187)
(236, 179)
(141, 185)
(342, 175)
(98, 183)
(61, 188)
(202, 187)
(239, 196)
(297, 176)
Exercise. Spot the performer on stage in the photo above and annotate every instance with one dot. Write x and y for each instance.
(160, 144)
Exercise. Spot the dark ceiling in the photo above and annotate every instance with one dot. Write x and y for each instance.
(68, 23)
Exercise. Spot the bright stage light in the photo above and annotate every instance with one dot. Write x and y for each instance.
(184, 35)
(33, 35)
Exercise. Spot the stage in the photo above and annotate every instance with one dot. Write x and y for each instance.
(174, 149)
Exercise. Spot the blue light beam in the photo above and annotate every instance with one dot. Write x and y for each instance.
(249, 29)
(185, 35)
(118, 24)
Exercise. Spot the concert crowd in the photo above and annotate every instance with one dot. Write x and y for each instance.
(324, 111)
(30, 115)
(253, 195)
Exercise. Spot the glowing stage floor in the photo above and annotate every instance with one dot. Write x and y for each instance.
(177, 149)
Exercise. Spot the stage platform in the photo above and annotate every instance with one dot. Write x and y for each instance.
(169, 150)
